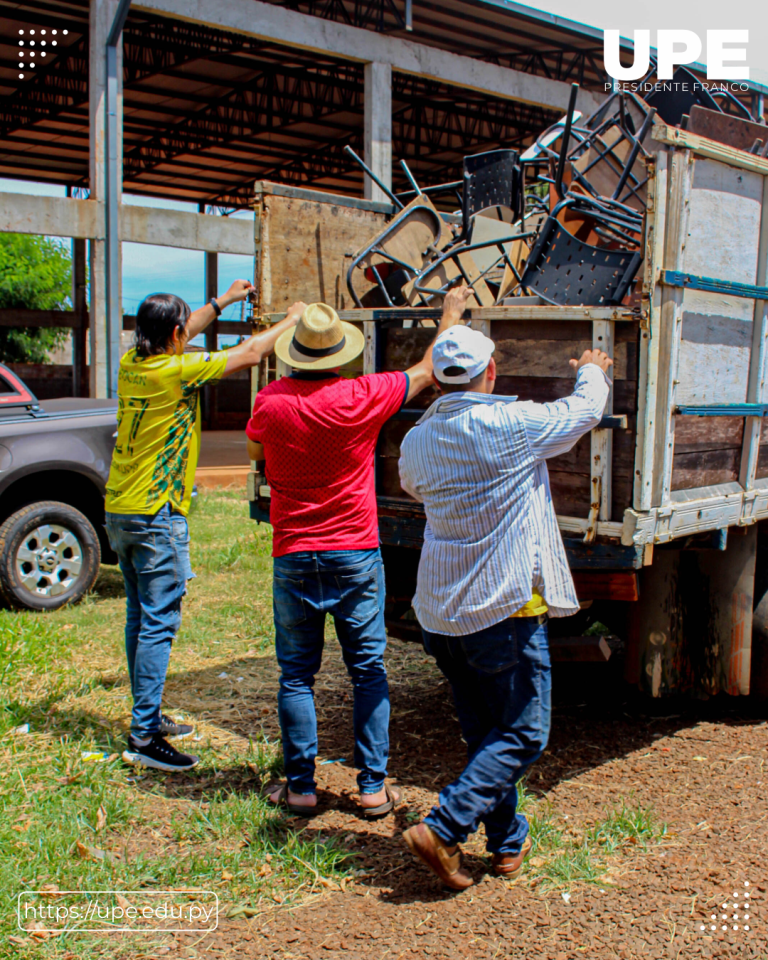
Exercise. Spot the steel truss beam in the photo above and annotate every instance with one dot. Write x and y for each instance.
(428, 115)
(382, 15)
(425, 121)
(150, 47)
(269, 102)
(283, 121)
(520, 50)
(54, 89)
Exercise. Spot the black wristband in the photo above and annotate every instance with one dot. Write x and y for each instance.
(216, 308)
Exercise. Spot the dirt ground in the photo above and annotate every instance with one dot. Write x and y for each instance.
(701, 767)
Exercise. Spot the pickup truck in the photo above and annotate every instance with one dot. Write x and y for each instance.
(54, 462)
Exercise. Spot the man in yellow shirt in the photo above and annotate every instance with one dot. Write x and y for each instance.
(149, 491)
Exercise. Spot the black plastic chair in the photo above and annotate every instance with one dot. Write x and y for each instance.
(492, 179)
(565, 271)
(685, 90)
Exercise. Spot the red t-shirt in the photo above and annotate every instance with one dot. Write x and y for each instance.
(319, 433)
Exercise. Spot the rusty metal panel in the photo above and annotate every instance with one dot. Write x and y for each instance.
(735, 131)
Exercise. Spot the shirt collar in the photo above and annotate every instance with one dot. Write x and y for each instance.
(313, 375)
(457, 402)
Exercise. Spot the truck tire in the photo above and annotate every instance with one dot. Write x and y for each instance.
(49, 556)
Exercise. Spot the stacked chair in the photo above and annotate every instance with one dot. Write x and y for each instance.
(561, 222)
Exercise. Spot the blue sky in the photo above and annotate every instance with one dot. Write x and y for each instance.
(149, 269)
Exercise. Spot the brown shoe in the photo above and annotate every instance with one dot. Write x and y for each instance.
(509, 865)
(424, 843)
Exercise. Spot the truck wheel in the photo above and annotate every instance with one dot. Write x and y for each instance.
(49, 556)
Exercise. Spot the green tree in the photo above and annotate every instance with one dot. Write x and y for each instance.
(35, 274)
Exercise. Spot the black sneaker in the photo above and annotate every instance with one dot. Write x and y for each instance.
(175, 731)
(158, 753)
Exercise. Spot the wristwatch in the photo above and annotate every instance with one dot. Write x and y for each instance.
(216, 308)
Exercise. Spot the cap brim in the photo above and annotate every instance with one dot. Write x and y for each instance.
(353, 347)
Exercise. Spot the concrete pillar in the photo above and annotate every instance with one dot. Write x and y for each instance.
(210, 395)
(102, 15)
(378, 128)
(211, 290)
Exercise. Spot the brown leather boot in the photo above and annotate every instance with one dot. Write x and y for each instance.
(509, 865)
(424, 843)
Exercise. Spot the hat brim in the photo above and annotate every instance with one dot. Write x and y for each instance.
(354, 342)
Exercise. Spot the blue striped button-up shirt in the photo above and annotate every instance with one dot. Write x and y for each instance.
(476, 462)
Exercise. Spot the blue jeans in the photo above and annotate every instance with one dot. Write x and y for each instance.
(502, 688)
(349, 585)
(154, 559)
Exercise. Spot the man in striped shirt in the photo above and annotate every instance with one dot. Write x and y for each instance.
(492, 569)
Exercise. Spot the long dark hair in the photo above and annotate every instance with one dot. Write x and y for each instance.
(159, 315)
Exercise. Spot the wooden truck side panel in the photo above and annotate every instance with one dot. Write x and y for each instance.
(532, 363)
(715, 329)
(698, 457)
(304, 241)
(704, 345)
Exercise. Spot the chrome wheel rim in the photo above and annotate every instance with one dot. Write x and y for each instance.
(49, 560)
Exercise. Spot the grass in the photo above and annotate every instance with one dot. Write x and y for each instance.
(78, 824)
(562, 856)
(626, 825)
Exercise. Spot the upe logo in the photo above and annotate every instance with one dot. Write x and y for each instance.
(676, 47)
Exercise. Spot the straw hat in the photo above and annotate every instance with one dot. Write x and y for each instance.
(320, 341)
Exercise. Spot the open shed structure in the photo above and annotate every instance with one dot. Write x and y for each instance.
(199, 100)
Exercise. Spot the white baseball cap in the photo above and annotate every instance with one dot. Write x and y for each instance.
(464, 347)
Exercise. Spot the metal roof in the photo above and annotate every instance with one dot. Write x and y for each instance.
(206, 113)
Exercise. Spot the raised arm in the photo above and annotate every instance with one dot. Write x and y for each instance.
(255, 348)
(199, 319)
(553, 428)
(454, 304)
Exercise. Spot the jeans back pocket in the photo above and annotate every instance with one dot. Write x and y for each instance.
(135, 545)
(359, 597)
(492, 650)
(180, 530)
(288, 596)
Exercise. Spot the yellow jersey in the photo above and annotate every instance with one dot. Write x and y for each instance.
(158, 430)
(535, 607)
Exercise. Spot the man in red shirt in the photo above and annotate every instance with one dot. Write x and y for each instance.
(317, 432)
